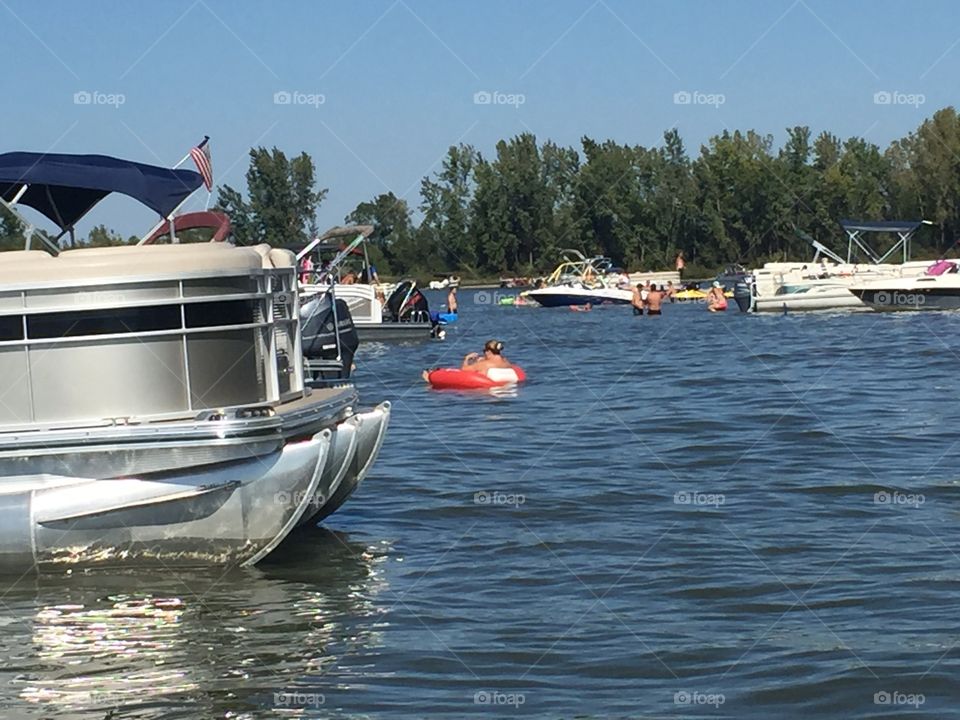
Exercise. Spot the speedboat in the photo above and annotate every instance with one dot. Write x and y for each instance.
(937, 289)
(579, 280)
(156, 409)
(380, 312)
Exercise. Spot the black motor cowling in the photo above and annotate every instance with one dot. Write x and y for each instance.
(322, 323)
(407, 304)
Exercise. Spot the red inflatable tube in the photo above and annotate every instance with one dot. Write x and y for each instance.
(456, 379)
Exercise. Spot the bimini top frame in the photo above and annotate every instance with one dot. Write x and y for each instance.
(903, 229)
(64, 188)
(325, 242)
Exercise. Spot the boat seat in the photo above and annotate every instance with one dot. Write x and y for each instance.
(21, 256)
(127, 261)
(275, 257)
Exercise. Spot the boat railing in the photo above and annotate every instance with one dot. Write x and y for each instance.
(137, 348)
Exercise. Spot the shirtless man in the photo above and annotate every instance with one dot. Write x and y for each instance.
(637, 300)
(654, 300)
(670, 291)
(452, 299)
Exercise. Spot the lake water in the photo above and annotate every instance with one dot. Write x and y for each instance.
(687, 516)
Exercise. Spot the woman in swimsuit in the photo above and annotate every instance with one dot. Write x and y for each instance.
(716, 302)
(474, 362)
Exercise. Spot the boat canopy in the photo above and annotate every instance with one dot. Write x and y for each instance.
(897, 226)
(904, 230)
(65, 187)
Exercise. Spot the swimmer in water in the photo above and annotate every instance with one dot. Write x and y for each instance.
(716, 301)
(654, 301)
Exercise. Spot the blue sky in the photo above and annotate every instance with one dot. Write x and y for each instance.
(379, 89)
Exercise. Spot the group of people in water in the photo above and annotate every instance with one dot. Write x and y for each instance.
(648, 297)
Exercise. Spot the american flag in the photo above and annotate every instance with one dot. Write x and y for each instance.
(201, 157)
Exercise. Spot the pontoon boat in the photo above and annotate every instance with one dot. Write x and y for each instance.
(380, 312)
(154, 407)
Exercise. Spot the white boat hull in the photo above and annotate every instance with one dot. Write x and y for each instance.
(926, 292)
(833, 298)
(565, 295)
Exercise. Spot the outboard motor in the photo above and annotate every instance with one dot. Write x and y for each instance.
(329, 339)
(743, 294)
(407, 303)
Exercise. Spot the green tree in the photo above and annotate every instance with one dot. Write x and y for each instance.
(445, 205)
(11, 231)
(395, 246)
(101, 236)
(283, 200)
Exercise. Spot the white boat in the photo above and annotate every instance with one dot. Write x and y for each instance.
(937, 289)
(824, 282)
(380, 312)
(155, 409)
(580, 280)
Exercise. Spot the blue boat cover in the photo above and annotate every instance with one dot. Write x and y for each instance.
(65, 187)
(882, 226)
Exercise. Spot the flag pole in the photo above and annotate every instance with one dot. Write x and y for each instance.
(169, 218)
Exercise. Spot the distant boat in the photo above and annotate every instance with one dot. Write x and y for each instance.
(380, 312)
(937, 289)
(579, 280)
(824, 282)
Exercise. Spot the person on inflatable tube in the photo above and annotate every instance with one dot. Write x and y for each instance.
(474, 362)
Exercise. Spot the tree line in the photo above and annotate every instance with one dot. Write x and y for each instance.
(740, 200)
